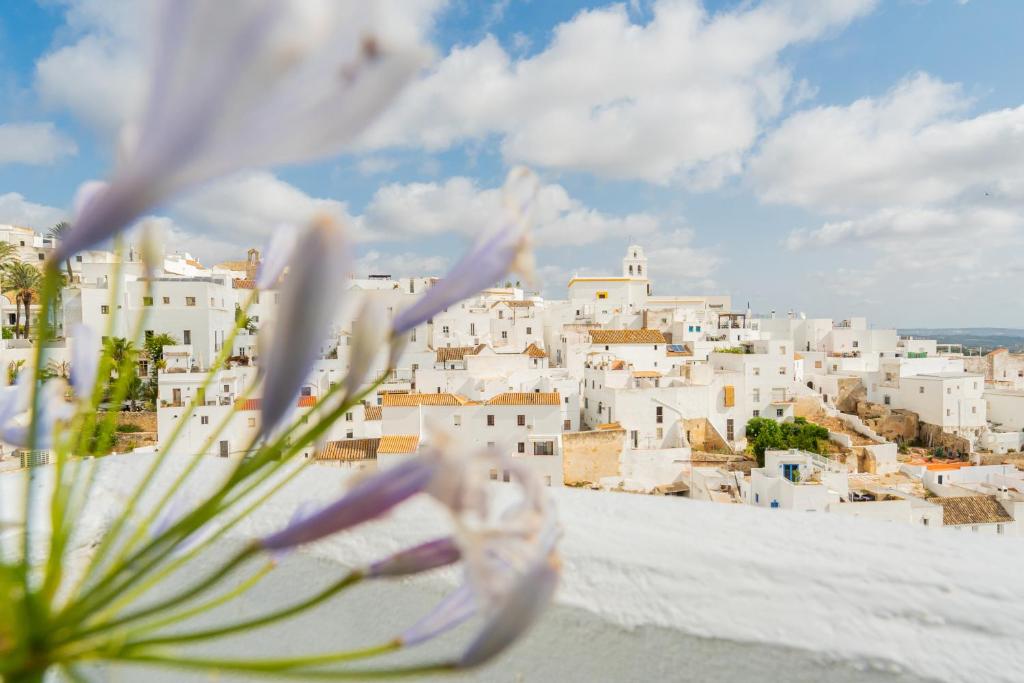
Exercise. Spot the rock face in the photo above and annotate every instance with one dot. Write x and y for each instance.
(851, 393)
(894, 425)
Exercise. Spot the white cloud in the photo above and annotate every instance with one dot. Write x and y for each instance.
(245, 208)
(401, 264)
(678, 265)
(16, 210)
(98, 71)
(459, 205)
(912, 146)
(680, 98)
(33, 143)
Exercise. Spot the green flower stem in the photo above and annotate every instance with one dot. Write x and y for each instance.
(175, 600)
(222, 599)
(107, 589)
(145, 524)
(350, 579)
(140, 589)
(264, 666)
(111, 537)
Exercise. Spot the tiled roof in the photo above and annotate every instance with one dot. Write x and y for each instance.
(192, 262)
(533, 351)
(643, 336)
(513, 304)
(372, 412)
(248, 404)
(526, 398)
(972, 510)
(646, 373)
(390, 400)
(239, 283)
(307, 401)
(349, 450)
(399, 443)
(449, 353)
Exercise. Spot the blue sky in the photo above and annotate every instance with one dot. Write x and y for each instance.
(838, 157)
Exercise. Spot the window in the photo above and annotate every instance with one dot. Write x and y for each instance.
(729, 429)
(817, 364)
(920, 390)
(782, 370)
(147, 301)
(948, 412)
(543, 447)
(974, 409)
(104, 310)
(78, 259)
(472, 328)
(494, 475)
(186, 337)
(756, 395)
(779, 412)
(886, 400)
(42, 256)
(204, 419)
(521, 420)
(602, 295)
(529, 330)
(227, 388)
(490, 420)
(659, 433)
(306, 391)
(522, 447)
(457, 420)
(167, 300)
(504, 334)
(757, 413)
(856, 343)
(659, 414)
(757, 372)
(586, 404)
(444, 330)
(566, 425)
(190, 301)
(252, 423)
(348, 417)
(223, 449)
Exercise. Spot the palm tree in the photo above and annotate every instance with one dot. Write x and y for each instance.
(8, 255)
(58, 233)
(120, 350)
(155, 350)
(243, 321)
(24, 280)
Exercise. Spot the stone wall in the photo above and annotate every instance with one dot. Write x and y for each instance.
(932, 436)
(892, 425)
(851, 392)
(703, 436)
(589, 456)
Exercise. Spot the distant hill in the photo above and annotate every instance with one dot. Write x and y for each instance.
(974, 338)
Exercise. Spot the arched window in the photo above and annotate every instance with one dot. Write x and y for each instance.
(631, 270)
(639, 270)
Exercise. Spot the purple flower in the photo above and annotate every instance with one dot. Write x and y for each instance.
(309, 299)
(454, 609)
(241, 84)
(424, 557)
(276, 256)
(369, 499)
(516, 614)
(499, 251)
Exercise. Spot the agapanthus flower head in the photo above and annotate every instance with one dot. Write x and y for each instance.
(247, 83)
(503, 248)
(440, 552)
(276, 256)
(310, 297)
(53, 409)
(86, 350)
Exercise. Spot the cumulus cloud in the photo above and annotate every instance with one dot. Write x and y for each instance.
(401, 264)
(98, 70)
(678, 265)
(459, 205)
(16, 210)
(679, 98)
(33, 143)
(913, 145)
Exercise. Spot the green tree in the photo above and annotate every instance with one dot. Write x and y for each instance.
(243, 321)
(766, 434)
(13, 368)
(155, 350)
(60, 232)
(24, 280)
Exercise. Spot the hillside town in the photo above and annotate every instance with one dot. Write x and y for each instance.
(616, 386)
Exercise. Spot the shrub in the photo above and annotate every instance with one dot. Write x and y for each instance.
(129, 428)
(767, 434)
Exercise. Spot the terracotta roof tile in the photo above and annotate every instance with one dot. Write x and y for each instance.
(972, 510)
(534, 351)
(450, 353)
(248, 404)
(526, 398)
(514, 304)
(392, 400)
(240, 283)
(372, 412)
(399, 443)
(306, 401)
(349, 450)
(642, 336)
(646, 373)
